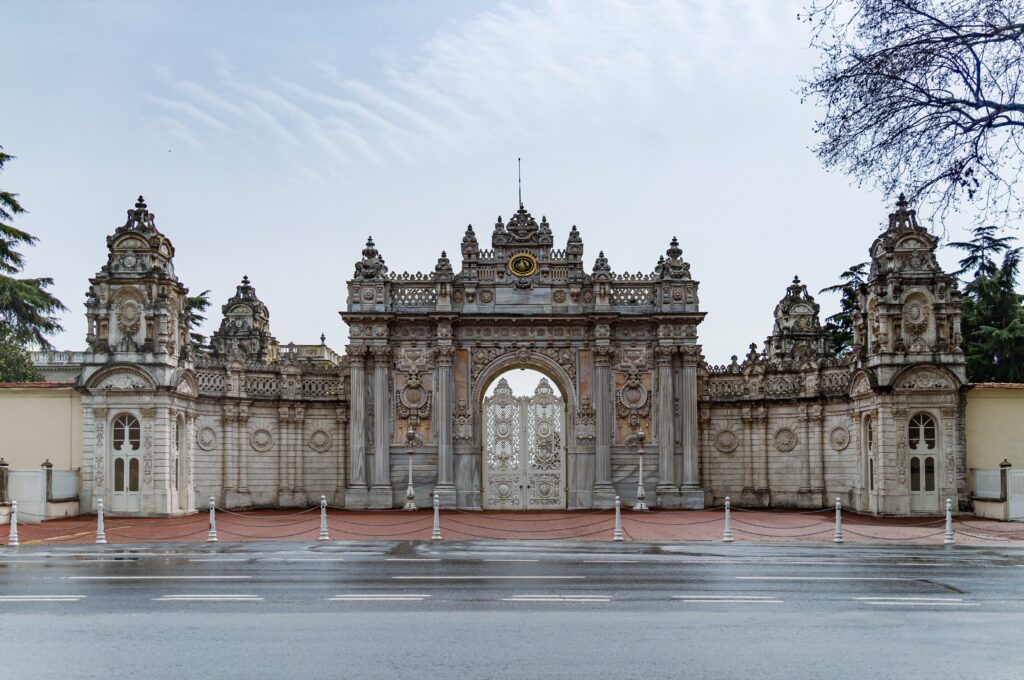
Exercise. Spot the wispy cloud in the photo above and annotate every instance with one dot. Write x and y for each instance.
(496, 76)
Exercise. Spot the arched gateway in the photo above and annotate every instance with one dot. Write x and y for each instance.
(622, 350)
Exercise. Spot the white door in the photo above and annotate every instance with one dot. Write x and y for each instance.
(924, 457)
(524, 450)
(126, 464)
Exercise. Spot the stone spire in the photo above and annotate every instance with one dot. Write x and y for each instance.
(574, 247)
(443, 269)
(601, 266)
(470, 247)
(372, 266)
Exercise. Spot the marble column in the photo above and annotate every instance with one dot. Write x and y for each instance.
(283, 464)
(691, 495)
(299, 454)
(445, 487)
(356, 495)
(380, 491)
(604, 423)
(666, 489)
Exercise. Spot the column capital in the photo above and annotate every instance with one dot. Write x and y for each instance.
(381, 354)
(604, 355)
(445, 356)
(663, 355)
(691, 354)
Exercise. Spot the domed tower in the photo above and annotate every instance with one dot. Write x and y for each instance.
(138, 387)
(910, 368)
(797, 336)
(245, 328)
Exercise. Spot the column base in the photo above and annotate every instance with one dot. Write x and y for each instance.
(380, 498)
(357, 498)
(669, 497)
(445, 494)
(604, 496)
(291, 498)
(237, 499)
(691, 498)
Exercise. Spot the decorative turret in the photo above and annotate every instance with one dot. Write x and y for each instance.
(470, 247)
(797, 335)
(673, 267)
(136, 307)
(245, 329)
(371, 267)
(602, 270)
(574, 247)
(909, 309)
(443, 269)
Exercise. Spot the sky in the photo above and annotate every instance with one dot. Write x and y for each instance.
(270, 139)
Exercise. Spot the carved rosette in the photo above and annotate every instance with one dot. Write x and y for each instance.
(726, 441)
(839, 438)
(261, 440)
(206, 438)
(320, 441)
(785, 439)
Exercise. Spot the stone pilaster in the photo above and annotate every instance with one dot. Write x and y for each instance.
(445, 487)
(380, 490)
(356, 494)
(604, 422)
(668, 492)
(691, 495)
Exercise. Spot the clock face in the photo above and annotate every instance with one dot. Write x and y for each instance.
(522, 265)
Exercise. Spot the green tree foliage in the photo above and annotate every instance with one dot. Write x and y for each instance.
(28, 313)
(197, 304)
(839, 326)
(992, 322)
(15, 363)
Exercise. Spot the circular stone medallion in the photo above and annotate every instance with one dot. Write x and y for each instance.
(320, 441)
(206, 438)
(726, 441)
(840, 438)
(261, 440)
(785, 439)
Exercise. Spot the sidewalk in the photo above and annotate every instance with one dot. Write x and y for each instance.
(700, 525)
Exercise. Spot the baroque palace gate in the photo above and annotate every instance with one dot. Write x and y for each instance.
(524, 456)
(620, 348)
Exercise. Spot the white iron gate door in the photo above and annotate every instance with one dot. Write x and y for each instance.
(524, 450)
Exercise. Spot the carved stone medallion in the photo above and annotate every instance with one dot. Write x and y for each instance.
(206, 438)
(785, 439)
(261, 440)
(726, 441)
(840, 438)
(320, 441)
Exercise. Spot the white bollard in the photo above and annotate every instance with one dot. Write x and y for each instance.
(839, 522)
(727, 534)
(12, 536)
(617, 535)
(212, 536)
(435, 535)
(323, 520)
(947, 539)
(101, 534)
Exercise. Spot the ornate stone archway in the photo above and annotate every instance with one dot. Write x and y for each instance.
(601, 337)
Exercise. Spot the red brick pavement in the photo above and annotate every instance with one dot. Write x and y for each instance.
(703, 525)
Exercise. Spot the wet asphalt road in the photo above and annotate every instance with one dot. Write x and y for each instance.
(511, 610)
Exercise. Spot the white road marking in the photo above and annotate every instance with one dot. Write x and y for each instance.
(822, 578)
(482, 578)
(303, 559)
(921, 564)
(914, 599)
(611, 561)
(158, 578)
(728, 599)
(218, 597)
(22, 561)
(412, 559)
(397, 597)
(556, 598)
(221, 559)
(506, 560)
(41, 598)
(917, 601)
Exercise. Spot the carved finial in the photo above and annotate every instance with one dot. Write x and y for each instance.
(796, 280)
(140, 204)
(323, 338)
(245, 279)
(903, 218)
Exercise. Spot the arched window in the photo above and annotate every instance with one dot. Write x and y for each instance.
(921, 432)
(126, 431)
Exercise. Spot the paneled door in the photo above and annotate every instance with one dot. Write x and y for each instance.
(524, 450)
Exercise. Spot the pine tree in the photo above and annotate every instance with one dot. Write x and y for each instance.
(839, 326)
(992, 321)
(197, 304)
(27, 311)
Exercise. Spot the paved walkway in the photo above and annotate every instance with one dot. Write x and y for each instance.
(702, 525)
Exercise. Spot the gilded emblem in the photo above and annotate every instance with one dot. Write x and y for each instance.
(522, 265)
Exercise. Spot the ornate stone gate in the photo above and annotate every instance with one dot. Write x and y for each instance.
(622, 349)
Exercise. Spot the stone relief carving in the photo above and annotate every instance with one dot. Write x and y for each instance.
(565, 358)
(206, 438)
(839, 438)
(633, 401)
(147, 444)
(726, 441)
(463, 425)
(924, 380)
(785, 439)
(261, 440)
(320, 441)
(585, 421)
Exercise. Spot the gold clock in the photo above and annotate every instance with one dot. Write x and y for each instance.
(522, 265)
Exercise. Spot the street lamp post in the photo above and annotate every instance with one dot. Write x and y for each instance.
(636, 440)
(412, 440)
